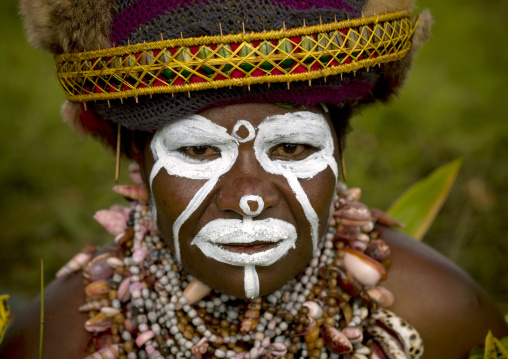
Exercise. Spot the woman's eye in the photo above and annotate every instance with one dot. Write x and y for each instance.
(291, 151)
(201, 152)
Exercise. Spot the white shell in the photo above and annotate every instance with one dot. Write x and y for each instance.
(365, 270)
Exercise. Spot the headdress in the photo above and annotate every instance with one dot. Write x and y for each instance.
(141, 63)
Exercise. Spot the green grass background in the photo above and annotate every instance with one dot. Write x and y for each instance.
(454, 105)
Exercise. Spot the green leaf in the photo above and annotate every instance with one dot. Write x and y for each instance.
(419, 205)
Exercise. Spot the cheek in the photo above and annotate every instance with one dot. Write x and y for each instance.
(320, 190)
(171, 196)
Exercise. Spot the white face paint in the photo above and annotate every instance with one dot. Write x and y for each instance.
(304, 127)
(298, 128)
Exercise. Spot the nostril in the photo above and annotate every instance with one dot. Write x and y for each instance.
(252, 205)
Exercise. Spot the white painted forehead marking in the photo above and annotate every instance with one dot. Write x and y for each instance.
(251, 131)
(244, 205)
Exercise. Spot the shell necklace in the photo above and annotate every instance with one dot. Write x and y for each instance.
(141, 304)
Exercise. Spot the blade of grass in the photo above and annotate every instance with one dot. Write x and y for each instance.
(418, 206)
(42, 310)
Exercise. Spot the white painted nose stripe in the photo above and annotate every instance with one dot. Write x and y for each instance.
(244, 205)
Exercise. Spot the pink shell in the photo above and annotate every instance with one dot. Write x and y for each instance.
(94, 305)
(382, 296)
(98, 268)
(110, 352)
(315, 310)
(354, 334)
(365, 269)
(135, 173)
(139, 255)
(278, 349)
(123, 290)
(354, 214)
(98, 287)
(196, 291)
(76, 263)
(112, 221)
(384, 219)
(143, 338)
(335, 340)
(378, 249)
(99, 323)
(136, 193)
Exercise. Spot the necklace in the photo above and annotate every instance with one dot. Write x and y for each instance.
(141, 304)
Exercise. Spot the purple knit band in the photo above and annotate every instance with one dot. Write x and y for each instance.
(143, 11)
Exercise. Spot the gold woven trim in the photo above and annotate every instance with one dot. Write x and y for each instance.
(211, 62)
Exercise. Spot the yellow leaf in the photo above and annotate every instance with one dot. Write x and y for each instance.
(418, 206)
(494, 349)
(4, 315)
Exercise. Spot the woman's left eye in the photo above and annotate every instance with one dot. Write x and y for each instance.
(290, 151)
(201, 152)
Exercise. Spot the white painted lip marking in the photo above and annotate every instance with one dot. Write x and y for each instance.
(235, 231)
(244, 205)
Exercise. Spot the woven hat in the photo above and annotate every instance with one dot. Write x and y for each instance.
(142, 63)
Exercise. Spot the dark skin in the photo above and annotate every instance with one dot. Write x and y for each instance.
(451, 313)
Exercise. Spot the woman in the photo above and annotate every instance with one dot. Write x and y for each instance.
(246, 249)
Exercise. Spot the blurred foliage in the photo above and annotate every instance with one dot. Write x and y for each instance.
(418, 206)
(454, 105)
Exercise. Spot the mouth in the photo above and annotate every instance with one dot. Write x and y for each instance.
(249, 248)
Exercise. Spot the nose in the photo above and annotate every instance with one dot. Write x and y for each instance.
(247, 189)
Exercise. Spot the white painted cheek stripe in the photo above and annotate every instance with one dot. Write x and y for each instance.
(310, 213)
(189, 210)
(244, 205)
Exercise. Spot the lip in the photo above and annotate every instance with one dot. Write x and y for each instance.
(249, 248)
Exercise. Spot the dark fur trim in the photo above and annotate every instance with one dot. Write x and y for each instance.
(68, 25)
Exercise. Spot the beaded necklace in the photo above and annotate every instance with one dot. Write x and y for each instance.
(141, 304)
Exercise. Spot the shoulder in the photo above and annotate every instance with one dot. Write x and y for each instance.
(64, 332)
(451, 312)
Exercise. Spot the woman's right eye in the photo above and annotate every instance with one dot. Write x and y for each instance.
(205, 153)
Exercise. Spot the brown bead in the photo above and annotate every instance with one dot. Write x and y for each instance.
(181, 327)
(129, 243)
(331, 311)
(317, 290)
(311, 296)
(220, 340)
(304, 310)
(116, 339)
(128, 346)
(122, 357)
(223, 348)
(315, 353)
(112, 294)
(320, 342)
(279, 312)
(215, 322)
(187, 334)
(114, 330)
(289, 356)
(302, 318)
(119, 318)
(288, 317)
(331, 302)
(208, 318)
(224, 333)
(233, 327)
(320, 321)
(330, 321)
(299, 328)
(337, 262)
(293, 348)
(332, 283)
(224, 323)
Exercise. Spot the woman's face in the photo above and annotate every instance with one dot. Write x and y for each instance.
(242, 193)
